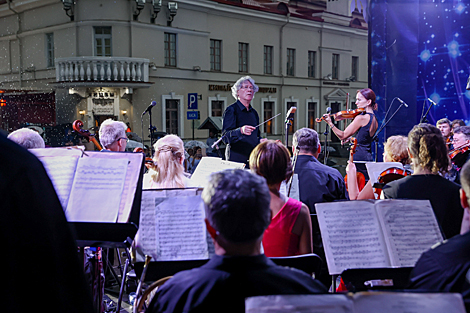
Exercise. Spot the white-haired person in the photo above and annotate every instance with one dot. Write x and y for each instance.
(27, 138)
(113, 135)
(240, 121)
(169, 170)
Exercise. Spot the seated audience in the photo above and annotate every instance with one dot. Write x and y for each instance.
(445, 267)
(113, 135)
(395, 150)
(27, 138)
(290, 231)
(317, 182)
(461, 152)
(428, 152)
(237, 214)
(169, 169)
(40, 262)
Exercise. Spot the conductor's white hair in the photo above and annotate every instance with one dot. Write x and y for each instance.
(27, 138)
(110, 131)
(238, 84)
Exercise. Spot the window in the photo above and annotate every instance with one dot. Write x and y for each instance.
(290, 62)
(171, 115)
(217, 108)
(354, 67)
(216, 55)
(268, 59)
(170, 51)
(311, 114)
(335, 66)
(292, 127)
(312, 55)
(336, 107)
(50, 49)
(242, 57)
(267, 114)
(103, 41)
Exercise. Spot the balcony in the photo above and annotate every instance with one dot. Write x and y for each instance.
(102, 71)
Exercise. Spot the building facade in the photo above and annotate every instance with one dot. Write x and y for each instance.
(92, 60)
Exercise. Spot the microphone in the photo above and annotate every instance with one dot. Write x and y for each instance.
(290, 114)
(402, 102)
(432, 101)
(328, 110)
(149, 108)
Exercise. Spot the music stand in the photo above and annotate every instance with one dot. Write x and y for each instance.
(363, 279)
(113, 235)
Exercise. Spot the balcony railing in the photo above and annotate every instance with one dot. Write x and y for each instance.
(102, 69)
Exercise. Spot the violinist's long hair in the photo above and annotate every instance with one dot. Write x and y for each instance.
(169, 152)
(428, 148)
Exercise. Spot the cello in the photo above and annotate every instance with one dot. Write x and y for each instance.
(78, 127)
(361, 180)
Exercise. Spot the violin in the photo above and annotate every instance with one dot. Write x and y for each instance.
(389, 175)
(149, 163)
(346, 114)
(78, 127)
(456, 155)
(361, 180)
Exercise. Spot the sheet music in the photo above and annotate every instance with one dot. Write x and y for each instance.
(328, 303)
(146, 240)
(294, 191)
(410, 228)
(61, 171)
(181, 232)
(351, 235)
(209, 165)
(96, 190)
(374, 169)
(403, 302)
(134, 167)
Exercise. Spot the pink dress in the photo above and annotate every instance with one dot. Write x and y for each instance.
(278, 239)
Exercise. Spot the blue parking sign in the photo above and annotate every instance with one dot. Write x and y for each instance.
(192, 101)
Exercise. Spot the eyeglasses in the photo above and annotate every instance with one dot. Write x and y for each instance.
(124, 138)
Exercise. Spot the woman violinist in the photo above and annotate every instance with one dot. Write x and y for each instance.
(461, 152)
(365, 125)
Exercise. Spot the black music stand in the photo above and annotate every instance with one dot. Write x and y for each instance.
(113, 235)
(363, 279)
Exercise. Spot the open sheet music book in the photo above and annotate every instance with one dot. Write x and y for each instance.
(361, 302)
(209, 165)
(93, 186)
(376, 233)
(172, 226)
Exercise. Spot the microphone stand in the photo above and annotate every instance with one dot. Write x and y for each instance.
(325, 148)
(424, 119)
(288, 124)
(375, 138)
(152, 130)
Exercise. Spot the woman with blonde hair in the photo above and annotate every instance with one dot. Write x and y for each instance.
(428, 152)
(395, 150)
(290, 231)
(169, 169)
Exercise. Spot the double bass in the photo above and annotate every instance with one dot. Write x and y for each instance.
(78, 127)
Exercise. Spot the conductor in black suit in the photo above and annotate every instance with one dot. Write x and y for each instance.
(240, 121)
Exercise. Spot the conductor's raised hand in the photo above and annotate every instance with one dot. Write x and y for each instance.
(247, 130)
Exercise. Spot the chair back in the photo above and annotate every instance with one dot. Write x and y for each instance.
(309, 263)
(160, 269)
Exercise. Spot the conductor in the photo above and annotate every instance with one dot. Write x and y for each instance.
(240, 121)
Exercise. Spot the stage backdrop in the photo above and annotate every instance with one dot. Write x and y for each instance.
(419, 49)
